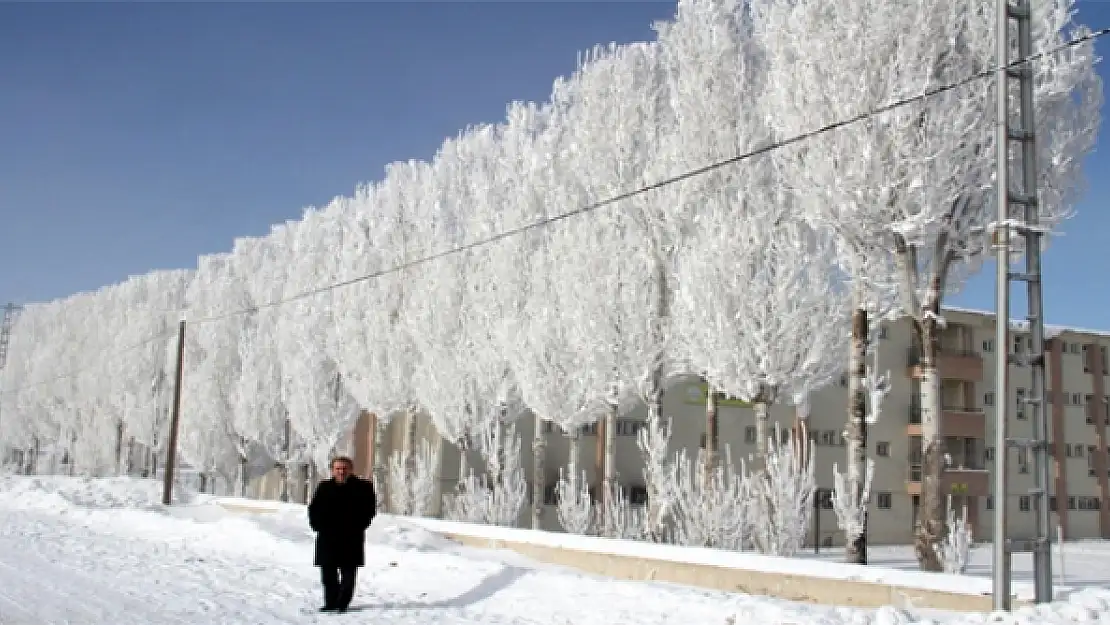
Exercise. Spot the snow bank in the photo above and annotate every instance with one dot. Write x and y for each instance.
(92, 499)
(56, 492)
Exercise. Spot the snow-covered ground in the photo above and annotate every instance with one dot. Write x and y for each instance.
(1076, 564)
(101, 551)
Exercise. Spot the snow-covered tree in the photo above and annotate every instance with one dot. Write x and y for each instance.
(412, 490)
(712, 508)
(772, 324)
(783, 495)
(913, 183)
(654, 439)
(574, 505)
(955, 552)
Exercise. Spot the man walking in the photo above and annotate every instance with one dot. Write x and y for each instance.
(341, 510)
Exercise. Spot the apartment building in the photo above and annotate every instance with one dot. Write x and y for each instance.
(1078, 411)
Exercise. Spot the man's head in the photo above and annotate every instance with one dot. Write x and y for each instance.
(341, 468)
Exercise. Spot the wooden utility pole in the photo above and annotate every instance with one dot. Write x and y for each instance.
(175, 418)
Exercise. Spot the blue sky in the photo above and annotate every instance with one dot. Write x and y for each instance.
(138, 136)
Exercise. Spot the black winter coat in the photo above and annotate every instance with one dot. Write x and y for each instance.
(340, 514)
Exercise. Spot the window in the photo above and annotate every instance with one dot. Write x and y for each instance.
(1017, 344)
(548, 427)
(828, 437)
(1074, 348)
(1077, 399)
(884, 501)
(702, 440)
(1088, 503)
(824, 498)
(1020, 413)
(988, 454)
(1023, 503)
(637, 495)
(988, 345)
(990, 502)
(988, 398)
(590, 429)
(550, 496)
(883, 333)
(882, 449)
(629, 427)
(749, 434)
(844, 380)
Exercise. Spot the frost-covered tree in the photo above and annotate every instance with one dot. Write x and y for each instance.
(712, 508)
(783, 495)
(412, 490)
(955, 552)
(913, 183)
(212, 378)
(367, 340)
(654, 441)
(772, 325)
(615, 110)
(574, 504)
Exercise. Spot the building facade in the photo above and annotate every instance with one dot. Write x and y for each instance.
(1077, 406)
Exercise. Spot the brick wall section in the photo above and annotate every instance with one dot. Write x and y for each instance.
(1097, 410)
(1058, 430)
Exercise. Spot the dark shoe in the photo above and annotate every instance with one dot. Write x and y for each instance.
(341, 609)
(329, 608)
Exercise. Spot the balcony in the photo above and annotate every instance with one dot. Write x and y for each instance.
(955, 480)
(952, 363)
(955, 420)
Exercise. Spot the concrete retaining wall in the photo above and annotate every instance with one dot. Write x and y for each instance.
(822, 582)
(782, 585)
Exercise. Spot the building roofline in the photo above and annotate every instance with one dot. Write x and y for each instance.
(1021, 325)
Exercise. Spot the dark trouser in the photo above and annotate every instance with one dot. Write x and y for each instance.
(339, 585)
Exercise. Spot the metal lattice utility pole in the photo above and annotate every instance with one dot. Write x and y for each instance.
(1025, 223)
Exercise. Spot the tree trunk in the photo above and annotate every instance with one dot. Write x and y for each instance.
(464, 447)
(573, 441)
(32, 462)
(712, 433)
(931, 529)
(129, 462)
(856, 550)
(120, 470)
(539, 477)
(762, 417)
(378, 461)
(609, 474)
(244, 478)
(410, 454)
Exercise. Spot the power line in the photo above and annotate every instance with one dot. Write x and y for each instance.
(766, 149)
(547, 221)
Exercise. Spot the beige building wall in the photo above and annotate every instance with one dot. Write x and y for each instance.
(1078, 412)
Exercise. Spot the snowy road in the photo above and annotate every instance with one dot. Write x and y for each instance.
(97, 552)
(66, 563)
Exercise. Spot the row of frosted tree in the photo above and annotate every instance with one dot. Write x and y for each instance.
(765, 276)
